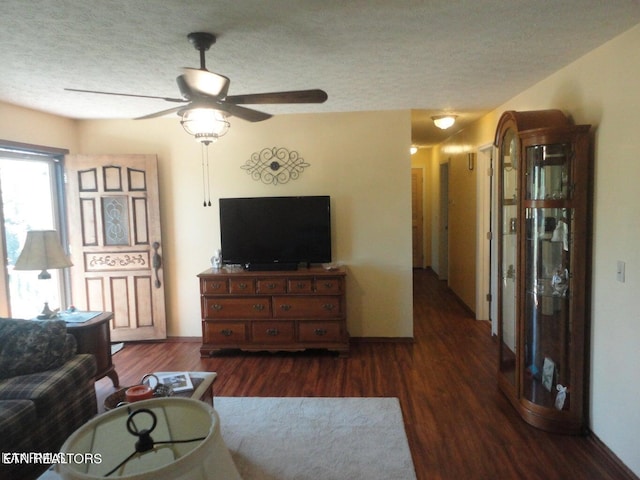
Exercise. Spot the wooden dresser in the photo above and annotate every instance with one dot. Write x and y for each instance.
(273, 310)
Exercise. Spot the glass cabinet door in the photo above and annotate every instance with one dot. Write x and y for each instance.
(509, 164)
(547, 276)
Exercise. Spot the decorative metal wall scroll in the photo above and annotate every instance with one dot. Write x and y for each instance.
(275, 165)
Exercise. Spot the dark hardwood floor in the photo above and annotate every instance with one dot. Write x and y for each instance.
(458, 424)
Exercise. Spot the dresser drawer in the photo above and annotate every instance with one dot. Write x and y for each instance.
(271, 285)
(328, 285)
(214, 285)
(319, 331)
(272, 332)
(242, 286)
(231, 307)
(300, 285)
(224, 332)
(320, 306)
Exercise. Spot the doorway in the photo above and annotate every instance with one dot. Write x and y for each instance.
(443, 224)
(417, 217)
(484, 189)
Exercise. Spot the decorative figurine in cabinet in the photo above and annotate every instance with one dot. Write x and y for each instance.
(544, 232)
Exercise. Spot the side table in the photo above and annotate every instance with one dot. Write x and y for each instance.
(202, 385)
(94, 336)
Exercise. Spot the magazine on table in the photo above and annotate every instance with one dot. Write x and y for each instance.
(178, 381)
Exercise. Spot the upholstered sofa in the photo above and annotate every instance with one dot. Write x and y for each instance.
(46, 392)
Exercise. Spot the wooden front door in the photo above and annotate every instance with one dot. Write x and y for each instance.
(114, 234)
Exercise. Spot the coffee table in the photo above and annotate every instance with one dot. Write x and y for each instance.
(202, 389)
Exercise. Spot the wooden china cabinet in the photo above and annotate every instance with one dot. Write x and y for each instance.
(544, 184)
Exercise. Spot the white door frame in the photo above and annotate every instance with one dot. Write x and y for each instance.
(484, 196)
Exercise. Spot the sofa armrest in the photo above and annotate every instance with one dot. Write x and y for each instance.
(51, 388)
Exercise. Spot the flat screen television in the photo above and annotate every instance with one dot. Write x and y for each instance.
(274, 233)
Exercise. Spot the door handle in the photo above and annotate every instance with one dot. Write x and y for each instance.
(157, 263)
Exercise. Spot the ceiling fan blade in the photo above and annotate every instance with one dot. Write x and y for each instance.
(161, 113)
(204, 82)
(294, 96)
(244, 113)
(168, 99)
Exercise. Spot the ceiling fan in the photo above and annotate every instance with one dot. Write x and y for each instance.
(202, 89)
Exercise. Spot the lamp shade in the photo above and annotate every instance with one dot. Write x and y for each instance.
(106, 443)
(42, 251)
(205, 124)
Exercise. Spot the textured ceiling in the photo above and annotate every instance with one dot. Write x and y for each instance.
(441, 55)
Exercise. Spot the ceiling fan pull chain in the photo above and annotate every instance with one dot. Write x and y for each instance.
(208, 177)
(204, 191)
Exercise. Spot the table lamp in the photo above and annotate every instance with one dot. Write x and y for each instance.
(162, 438)
(42, 251)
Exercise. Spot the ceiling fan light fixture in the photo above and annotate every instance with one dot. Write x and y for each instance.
(444, 121)
(205, 124)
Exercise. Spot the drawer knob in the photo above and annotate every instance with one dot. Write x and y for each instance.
(227, 332)
(216, 286)
(300, 285)
(258, 307)
(328, 285)
(285, 307)
(328, 306)
(217, 307)
(242, 286)
(273, 332)
(271, 286)
(320, 332)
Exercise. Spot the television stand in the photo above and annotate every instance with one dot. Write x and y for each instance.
(261, 267)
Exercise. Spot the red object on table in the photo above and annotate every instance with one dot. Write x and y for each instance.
(139, 392)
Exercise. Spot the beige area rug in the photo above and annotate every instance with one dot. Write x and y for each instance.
(316, 438)
(313, 438)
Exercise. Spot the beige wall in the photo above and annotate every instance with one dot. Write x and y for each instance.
(22, 125)
(602, 89)
(461, 270)
(366, 174)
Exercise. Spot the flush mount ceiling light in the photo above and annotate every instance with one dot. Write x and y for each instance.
(444, 121)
